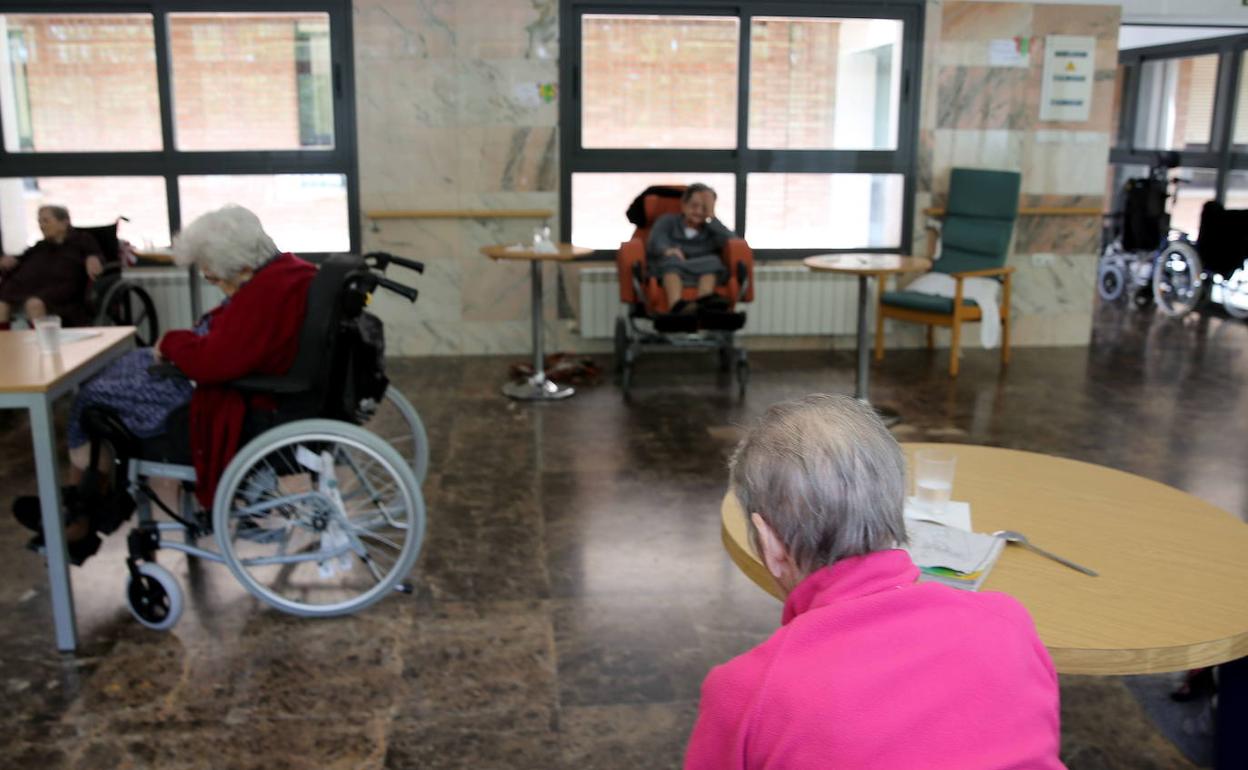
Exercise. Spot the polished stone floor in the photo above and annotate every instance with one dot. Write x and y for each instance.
(573, 590)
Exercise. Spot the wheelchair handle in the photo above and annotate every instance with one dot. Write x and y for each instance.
(383, 260)
(406, 291)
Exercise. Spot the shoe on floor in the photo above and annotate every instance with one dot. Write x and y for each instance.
(79, 550)
(29, 513)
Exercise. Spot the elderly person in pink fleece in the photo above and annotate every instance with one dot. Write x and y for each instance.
(869, 669)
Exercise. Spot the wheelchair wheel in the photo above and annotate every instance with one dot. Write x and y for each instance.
(319, 518)
(155, 599)
(1178, 283)
(1235, 294)
(1111, 279)
(128, 304)
(398, 422)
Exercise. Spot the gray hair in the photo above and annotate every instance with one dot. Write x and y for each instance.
(224, 242)
(826, 475)
(59, 212)
(694, 189)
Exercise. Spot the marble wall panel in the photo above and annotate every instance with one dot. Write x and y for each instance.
(996, 149)
(982, 98)
(1057, 235)
(389, 29)
(507, 29)
(509, 159)
(505, 92)
(406, 93)
(1065, 162)
(985, 21)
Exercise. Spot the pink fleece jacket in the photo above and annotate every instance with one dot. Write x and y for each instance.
(871, 669)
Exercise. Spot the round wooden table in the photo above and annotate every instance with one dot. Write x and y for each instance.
(866, 266)
(537, 387)
(1173, 587)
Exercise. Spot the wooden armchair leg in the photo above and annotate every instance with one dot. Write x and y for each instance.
(931, 337)
(1005, 321)
(953, 346)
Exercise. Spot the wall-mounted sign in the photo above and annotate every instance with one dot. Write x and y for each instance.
(1069, 68)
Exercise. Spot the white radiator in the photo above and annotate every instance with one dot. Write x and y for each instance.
(170, 290)
(789, 300)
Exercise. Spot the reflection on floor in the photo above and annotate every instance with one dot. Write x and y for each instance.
(573, 590)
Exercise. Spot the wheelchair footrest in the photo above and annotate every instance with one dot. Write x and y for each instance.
(676, 322)
(720, 320)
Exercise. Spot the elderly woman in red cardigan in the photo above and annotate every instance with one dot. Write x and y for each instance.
(869, 669)
(254, 331)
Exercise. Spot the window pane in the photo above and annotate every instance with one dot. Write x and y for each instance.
(1175, 109)
(824, 83)
(252, 81)
(79, 83)
(600, 203)
(91, 200)
(1240, 135)
(832, 211)
(304, 213)
(1237, 190)
(659, 81)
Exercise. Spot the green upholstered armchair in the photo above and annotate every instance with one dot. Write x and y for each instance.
(974, 239)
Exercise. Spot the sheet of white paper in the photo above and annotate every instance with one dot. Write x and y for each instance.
(1008, 52)
(70, 335)
(956, 514)
(934, 545)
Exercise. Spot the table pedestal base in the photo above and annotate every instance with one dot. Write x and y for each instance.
(537, 388)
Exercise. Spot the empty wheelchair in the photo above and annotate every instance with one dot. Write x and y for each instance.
(644, 323)
(1186, 275)
(314, 515)
(1132, 235)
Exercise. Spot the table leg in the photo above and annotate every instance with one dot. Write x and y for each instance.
(863, 384)
(537, 387)
(49, 484)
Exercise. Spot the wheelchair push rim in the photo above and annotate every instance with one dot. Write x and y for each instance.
(399, 424)
(319, 518)
(1178, 280)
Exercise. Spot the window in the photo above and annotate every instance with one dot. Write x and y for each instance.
(805, 124)
(1191, 98)
(251, 108)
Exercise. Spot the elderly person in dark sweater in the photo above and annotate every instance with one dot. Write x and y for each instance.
(52, 276)
(685, 249)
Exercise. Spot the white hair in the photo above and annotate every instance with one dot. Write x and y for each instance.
(224, 242)
(826, 475)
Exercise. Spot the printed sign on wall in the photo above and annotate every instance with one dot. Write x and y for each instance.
(1069, 68)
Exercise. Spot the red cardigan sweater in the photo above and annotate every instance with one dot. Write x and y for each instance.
(257, 332)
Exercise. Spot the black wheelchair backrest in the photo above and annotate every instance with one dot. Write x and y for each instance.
(1223, 239)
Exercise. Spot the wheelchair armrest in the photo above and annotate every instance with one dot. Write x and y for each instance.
(739, 259)
(166, 370)
(631, 258)
(269, 384)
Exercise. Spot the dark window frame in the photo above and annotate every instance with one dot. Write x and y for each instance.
(170, 163)
(1220, 154)
(743, 160)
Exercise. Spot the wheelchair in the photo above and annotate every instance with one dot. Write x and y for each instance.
(315, 515)
(644, 324)
(1131, 236)
(1188, 275)
(114, 300)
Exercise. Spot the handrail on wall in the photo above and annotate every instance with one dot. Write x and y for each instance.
(1037, 211)
(461, 214)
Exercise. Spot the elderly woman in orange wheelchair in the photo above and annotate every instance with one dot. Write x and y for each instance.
(686, 249)
(52, 276)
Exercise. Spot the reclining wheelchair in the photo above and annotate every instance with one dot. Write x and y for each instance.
(1131, 235)
(1214, 268)
(315, 515)
(644, 323)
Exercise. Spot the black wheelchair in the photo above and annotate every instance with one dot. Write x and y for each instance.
(112, 298)
(1214, 268)
(315, 515)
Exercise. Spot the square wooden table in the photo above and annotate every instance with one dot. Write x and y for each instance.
(32, 380)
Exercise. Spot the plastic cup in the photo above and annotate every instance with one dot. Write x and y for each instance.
(48, 334)
(933, 478)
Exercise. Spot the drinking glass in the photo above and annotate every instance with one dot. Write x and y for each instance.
(933, 478)
(48, 333)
